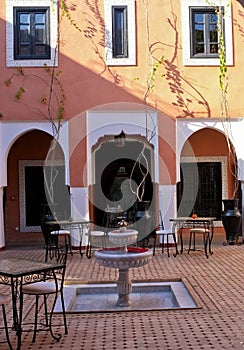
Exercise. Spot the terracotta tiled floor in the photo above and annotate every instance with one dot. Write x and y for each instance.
(217, 285)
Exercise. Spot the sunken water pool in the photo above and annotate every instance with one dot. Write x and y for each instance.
(102, 297)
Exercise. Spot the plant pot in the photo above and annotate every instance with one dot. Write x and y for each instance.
(231, 219)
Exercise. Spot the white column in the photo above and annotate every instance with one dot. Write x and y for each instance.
(2, 231)
(79, 211)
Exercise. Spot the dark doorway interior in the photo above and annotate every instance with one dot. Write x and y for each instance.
(35, 195)
(200, 189)
(118, 173)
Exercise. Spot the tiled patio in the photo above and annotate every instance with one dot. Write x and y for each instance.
(217, 285)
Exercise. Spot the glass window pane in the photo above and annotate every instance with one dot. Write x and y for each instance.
(199, 48)
(24, 18)
(213, 36)
(214, 48)
(39, 34)
(25, 50)
(39, 50)
(212, 18)
(39, 18)
(198, 18)
(119, 25)
(199, 35)
(24, 33)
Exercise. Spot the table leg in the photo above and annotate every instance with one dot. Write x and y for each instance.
(16, 290)
(81, 238)
(19, 330)
(210, 239)
(181, 239)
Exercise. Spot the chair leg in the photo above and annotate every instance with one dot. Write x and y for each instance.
(6, 327)
(190, 239)
(45, 310)
(64, 314)
(88, 248)
(205, 242)
(154, 243)
(194, 241)
(70, 246)
(58, 336)
(104, 241)
(163, 244)
(168, 245)
(36, 316)
(176, 246)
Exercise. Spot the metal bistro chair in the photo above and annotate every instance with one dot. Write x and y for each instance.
(205, 232)
(51, 284)
(161, 231)
(52, 233)
(2, 303)
(93, 235)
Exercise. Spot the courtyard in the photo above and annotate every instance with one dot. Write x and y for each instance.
(216, 284)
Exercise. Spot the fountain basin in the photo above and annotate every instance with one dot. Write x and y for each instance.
(117, 259)
(122, 237)
(123, 260)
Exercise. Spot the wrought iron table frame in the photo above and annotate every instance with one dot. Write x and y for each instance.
(200, 222)
(16, 272)
(73, 224)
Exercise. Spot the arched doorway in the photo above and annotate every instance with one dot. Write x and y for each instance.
(25, 199)
(123, 172)
(208, 174)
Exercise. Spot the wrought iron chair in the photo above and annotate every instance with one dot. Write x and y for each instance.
(51, 284)
(2, 303)
(205, 232)
(92, 235)
(52, 233)
(161, 231)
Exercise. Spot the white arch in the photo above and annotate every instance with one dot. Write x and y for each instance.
(186, 127)
(11, 131)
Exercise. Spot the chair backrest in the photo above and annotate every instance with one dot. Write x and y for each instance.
(58, 255)
(158, 220)
(46, 228)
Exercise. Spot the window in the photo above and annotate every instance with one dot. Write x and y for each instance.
(31, 34)
(200, 190)
(32, 207)
(204, 33)
(200, 33)
(120, 32)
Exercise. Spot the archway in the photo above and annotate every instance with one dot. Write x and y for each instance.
(208, 174)
(25, 199)
(123, 175)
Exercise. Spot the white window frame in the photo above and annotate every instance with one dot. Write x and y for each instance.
(10, 61)
(186, 32)
(131, 60)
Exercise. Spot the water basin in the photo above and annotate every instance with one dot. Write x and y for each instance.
(101, 297)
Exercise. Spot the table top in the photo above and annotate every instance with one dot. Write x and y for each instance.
(69, 222)
(114, 210)
(190, 219)
(18, 267)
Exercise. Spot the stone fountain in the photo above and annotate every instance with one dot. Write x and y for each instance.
(123, 258)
